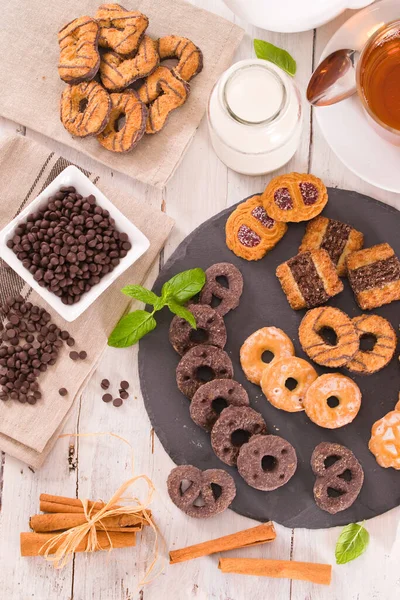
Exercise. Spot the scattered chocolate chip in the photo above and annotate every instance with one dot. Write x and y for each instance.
(70, 342)
(62, 392)
(124, 385)
(107, 398)
(82, 354)
(105, 384)
(123, 394)
(117, 402)
(74, 355)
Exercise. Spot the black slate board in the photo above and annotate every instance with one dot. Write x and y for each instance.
(263, 303)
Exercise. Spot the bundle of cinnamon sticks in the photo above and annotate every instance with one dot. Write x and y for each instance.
(62, 514)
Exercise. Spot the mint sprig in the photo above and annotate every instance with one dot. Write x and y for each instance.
(352, 542)
(175, 292)
(280, 57)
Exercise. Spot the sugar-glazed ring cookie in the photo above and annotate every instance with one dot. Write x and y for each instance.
(85, 108)
(188, 371)
(125, 104)
(332, 401)
(267, 339)
(311, 329)
(208, 322)
(275, 378)
(366, 362)
(229, 296)
(164, 91)
(120, 30)
(294, 197)
(190, 56)
(219, 393)
(79, 55)
(385, 439)
(250, 231)
(117, 72)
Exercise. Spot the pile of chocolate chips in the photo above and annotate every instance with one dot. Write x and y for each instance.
(123, 393)
(69, 244)
(30, 344)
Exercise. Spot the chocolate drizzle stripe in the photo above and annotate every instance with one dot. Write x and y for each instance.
(335, 239)
(375, 275)
(308, 281)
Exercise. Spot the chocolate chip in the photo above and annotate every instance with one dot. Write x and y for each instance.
(124, 385)
(62, 392)
(117, 402)
(105, 384)
(124, 395)
(74, 355)
(70, 342)
(82, 354)
(107, 398)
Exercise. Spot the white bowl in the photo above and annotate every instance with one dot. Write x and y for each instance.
(72, 176)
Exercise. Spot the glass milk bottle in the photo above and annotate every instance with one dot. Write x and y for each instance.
(255, 117)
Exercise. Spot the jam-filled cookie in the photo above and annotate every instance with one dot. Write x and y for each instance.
(294, 197)
(251, 232)
(235, 426)
(267, 339)
(189, 370)
(374, 275)
(120, 30)
(267, 462)
(330, 463)
(318, 322)
(208, 322)
(189, 56)
(309, 279)
(228, 295)
(212, 397)
(338, 239)
(385, 439)
(366, 362)
(275, 383)
(122, 139)
(85, 108)
(332, 401)
(163, 91)
(79, 55)
(117, 72)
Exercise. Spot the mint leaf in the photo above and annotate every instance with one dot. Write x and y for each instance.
(276, 55)
(131, 328)
(141, 293)
(352, 542)
(182, 312)
(183, 286)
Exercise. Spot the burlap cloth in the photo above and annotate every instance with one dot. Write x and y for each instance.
(26, 168)
(31, 88)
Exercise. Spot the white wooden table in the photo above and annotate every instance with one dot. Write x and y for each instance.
(201, 187)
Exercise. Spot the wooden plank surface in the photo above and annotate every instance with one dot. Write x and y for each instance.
(95, 466)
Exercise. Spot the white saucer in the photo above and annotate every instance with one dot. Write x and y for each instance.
(344, 125)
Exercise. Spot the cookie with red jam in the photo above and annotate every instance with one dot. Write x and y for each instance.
(251, 232)
(294, 197)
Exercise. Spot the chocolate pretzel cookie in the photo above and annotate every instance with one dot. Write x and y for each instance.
(338, 239)
(85, 108)
(117, 72)
(228, 295)
(374, 275)
(215, 361)
(79, 56)
(214, 395)
(294, 197)
(120, 30)
(209, 323)
(189, 56)
(309, 279)
(125, 104)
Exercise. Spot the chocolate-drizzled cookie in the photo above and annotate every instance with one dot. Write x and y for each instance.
(202, 358)
(125, 104)
(309, 279)
(208, 322)
(229, 295)
(117, 72)
(189, 56)
(79, 55)
(339, 477)
(85, 108)
(212, 397)
(120, 30)
(366, 362)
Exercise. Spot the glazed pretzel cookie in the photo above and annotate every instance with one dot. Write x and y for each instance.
(200, 486)
(125, 104)
(294, 197)
(117, 72)
(220, 392)
(208, 321)
(330, 463)
(250, 232)
(120, 30)
(275, 378)
(309, 279)
(188, 371)
(79, 56)
(164, 91)
(385, 439)
(374, 275)
(267, 339)
(338, 239)
(229, 296)
(366, 362)
(311, 330)
(85, 108)
(189, 56)
(332, 401)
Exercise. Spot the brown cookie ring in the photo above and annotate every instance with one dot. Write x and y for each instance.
(120, 29)
(85, 109)
(366, 362)
(267, 462)
(208, 322)
(79, 56)
(225, 439)
(213, 394)
(230, 295)
(190, 57)
(213, 359)
(117, 72)
(337, 485)
(163, 91)
(125, 104)
(202, 485)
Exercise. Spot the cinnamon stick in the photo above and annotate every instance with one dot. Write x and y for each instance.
(32, 543)
(249, 537)
(62, 521)
(51, 503)
(314, 572)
